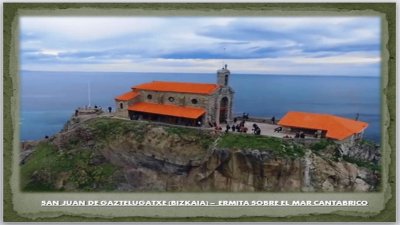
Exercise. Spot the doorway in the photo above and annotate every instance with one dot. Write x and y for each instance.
(223, 110)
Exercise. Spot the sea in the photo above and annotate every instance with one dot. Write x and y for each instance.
(48, 99)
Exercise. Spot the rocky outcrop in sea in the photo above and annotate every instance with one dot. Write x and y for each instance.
(109, 154)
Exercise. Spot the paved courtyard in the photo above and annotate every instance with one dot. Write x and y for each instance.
(266, 129)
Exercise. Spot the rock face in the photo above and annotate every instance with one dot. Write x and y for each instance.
(159, 158)
(362, 151)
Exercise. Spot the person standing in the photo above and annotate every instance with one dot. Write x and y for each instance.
(227, 128)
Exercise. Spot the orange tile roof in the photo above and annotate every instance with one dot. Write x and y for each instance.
(168, 110)
(127, 96)
(337, 127)
(183, 87)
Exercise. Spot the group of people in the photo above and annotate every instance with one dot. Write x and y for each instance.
(300, 135)
(241, 128)
(99, 107)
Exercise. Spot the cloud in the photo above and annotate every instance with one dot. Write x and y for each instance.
(308, 45)
(87, 28)
(306, 34)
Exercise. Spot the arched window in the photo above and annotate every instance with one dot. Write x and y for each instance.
(149, 97)
(194, 101)
(226, 79)
(121, 105)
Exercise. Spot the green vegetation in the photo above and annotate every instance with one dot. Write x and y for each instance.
(320, 145)
(80, 166)
(74, 161)
(108, 128)
(44, 157)
(262, 143)
(47, 166)
(366, 164)
(201, 136)
(367, 143)
(179, 130)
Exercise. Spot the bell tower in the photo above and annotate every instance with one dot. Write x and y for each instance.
(223, 76)
(224, 101)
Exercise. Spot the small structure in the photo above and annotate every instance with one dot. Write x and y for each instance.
(88, 111)
(194, 104)
(328, 126)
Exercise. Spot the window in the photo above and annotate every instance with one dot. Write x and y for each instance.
(149, 97)
(194, 101)
(121, 105)
(171, 99)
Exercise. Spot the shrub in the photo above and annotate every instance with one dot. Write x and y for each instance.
(320, 145)
(262, 143)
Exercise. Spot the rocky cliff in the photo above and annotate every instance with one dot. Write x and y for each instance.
(108, 154)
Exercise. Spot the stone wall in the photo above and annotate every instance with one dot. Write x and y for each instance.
(228, 93)
(223, 76)
(212, 108)
(180, 99)
(123, 112)
(211, 103)
(206, 102)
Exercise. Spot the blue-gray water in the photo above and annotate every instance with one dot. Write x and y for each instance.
(48, 99)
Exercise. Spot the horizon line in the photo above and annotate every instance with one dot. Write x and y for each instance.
(241, 73)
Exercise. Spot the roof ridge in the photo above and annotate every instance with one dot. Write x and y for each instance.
(182, 82)
(127, 95)
(342, 119)
(336, 126)
(183, 87)
(339, 121)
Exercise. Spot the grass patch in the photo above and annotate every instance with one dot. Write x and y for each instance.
(204, 138)
(44, 166)
(262, 143)
(45, 156)
(320, 145)
(178, 130)
(108, 128)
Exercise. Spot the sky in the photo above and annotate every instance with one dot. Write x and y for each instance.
(344, 46)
